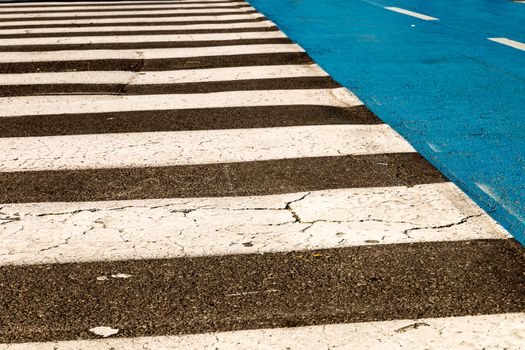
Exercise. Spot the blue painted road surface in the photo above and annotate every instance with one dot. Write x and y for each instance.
(457, 96)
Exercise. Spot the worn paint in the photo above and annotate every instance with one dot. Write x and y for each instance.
(36, 233)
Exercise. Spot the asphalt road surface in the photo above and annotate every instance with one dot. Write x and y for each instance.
(180, 175)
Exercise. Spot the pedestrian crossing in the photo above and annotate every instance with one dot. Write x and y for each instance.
(183, 174)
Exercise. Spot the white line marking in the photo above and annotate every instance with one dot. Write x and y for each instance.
(131, 29)
(125, 13)
(500, 331)
(172, 5)
(74, 104)
(165, 77)
(98, 3)
(134, 20)
(41, 233)
(116, 39)
(509, 42)
(195, 147)
(411, 13)
(81, 55)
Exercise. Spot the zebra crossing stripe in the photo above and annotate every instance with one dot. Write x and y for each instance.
(149, 45)
(29, 11)
(38, 4)
(130, 21)
(146, 54)
(165, 77)
(44, 233)
(129, 30)
(56, 104)
(485, 331)
(196, 147)
(139, 38)
(168, 82)
(124, 14)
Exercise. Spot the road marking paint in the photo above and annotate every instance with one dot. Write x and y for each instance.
(411, 13)
(512, 43)
(165, 77)
(87, 40)
(504, 331)
(131, 29)
(45, 105)
(97, 4)
(173, 5)
(72, 15)
(195, 147)
(40, 233)
(139, 54)
(134, 20)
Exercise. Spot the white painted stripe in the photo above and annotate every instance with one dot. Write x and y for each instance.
(165, 77)
(88, 4)
(195, 147)
(57, 4)
(85, 55)
(117, 39)
(131, 29)
(411, 13)
(173, 5)
(515, 44)
(133, 20)
(38, 233)
(61, 104)
(500, 331)
(125, 13)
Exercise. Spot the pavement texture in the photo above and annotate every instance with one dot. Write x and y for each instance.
(180, 174)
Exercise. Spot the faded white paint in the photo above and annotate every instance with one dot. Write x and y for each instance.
(124, 13)
(38, 233)
(133, 20)
(165, 77)
(512, 43)
(122, 39)
(195, 147)
(84, 55)
(489, 332)
(13, 6)
(411, 13)
(135, 28)
(104, 331)
(74, 104)
(168, 5)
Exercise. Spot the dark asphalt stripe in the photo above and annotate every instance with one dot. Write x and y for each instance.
(124, 9)
(184, 88)
(159, 64)
(144, 45)
(68, 3)
(238, 292)
(142, 32)
(198, 14)
(181, 120)
(138, 24)
(217, 180)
